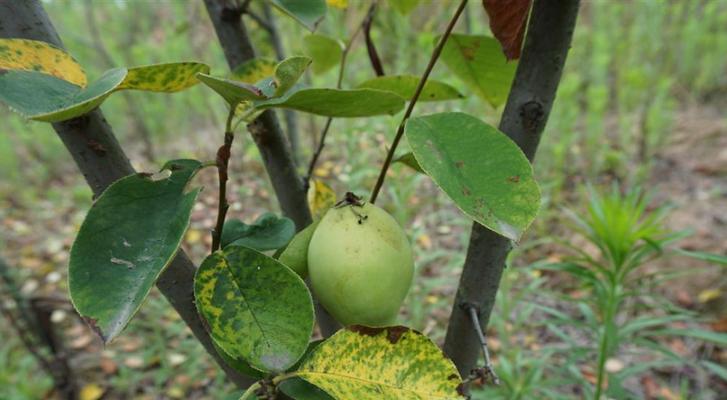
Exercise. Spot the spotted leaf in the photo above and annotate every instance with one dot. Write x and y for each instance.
(381, 363)
(126, 240)
(254, 70)
(170, 77)
(484, 172)
(33, 55)
(257, 309)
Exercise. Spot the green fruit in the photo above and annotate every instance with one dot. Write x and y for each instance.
(295, 256)
(360, 264)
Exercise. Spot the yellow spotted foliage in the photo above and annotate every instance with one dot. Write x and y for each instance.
(381, 363)
(33, 55)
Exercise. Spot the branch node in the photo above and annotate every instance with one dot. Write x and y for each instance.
(532, 114)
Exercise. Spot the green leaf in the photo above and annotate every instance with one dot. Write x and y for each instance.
(479, 62)
(128, 237)
(236, 91)
(254, 70)
(714, 368)
(295, 256)
(299, 389)
(46, 98)
(718, 338)
(256, 308)
(404, 7)
(233, 91)
(480, 168)
(169, 77)
(269, 232)
(325, 51)
(405, 86)
(409, 160)
(33, 55)
(307, 12)
(288, 72)
(337, 102)
(381, 363)
(704, 256)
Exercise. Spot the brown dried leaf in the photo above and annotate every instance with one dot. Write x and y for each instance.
(507, 23)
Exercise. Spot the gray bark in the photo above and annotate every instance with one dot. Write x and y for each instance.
(99, 157)
(531, 97)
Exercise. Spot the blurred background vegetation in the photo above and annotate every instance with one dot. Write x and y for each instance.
(637, 139)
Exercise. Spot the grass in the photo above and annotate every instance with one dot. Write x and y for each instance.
(630, 69)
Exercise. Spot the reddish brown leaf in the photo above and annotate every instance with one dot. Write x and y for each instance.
(507, 23)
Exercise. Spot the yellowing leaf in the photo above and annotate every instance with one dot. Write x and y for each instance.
(340, 4)
(320, 198)
(707, 295)
(381, 363)
(33, 55)
(169, 77)
(91, 391)
(254, 70)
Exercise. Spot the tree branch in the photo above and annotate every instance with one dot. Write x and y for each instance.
(99, 157)
(531, 98)
(267, 134)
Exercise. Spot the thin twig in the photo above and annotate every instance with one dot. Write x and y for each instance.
(259, 20)
(370, 46)
(475, 318)
(223, 159)
(341, 70)
(400, 131)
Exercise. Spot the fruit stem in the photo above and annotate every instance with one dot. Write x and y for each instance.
(342, 68)
(222, 161)
(400, 131)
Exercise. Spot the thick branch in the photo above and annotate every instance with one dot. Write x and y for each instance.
(99, 157)
(266, 132)
(531, 98)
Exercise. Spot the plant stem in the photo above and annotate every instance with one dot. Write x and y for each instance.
(341, 70)
(608, 317)
(400, 131)
(250, 392)
(223, 160)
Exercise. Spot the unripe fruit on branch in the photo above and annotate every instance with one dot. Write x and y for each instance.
(360, 264)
